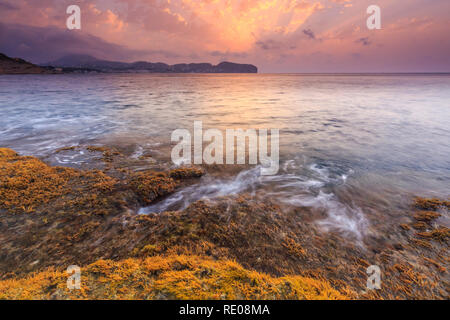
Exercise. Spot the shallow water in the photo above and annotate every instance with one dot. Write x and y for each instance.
(349, 145)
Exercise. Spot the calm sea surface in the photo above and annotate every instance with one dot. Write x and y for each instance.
(349, 145)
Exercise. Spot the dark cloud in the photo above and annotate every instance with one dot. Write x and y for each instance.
(268, 44)
(228, 54)
(364, 41)
(7, 6)
(44, 44)
(309, 33)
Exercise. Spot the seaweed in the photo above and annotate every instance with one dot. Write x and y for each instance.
(430, 203)
(149, 185)
(440, 234)
(168, 277)
(426, 216)
(235, 247)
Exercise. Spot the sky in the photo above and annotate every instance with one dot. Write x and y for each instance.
(275, 35)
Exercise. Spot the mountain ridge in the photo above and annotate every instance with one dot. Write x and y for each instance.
(82, 61)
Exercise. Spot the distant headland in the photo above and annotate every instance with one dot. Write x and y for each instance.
(92, 63)
(87, 64)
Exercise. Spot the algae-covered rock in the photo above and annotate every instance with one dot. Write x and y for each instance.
(235, 247)
(430, 203)
(6, 153)
(149, 185)
(186, 173)
(169, 277)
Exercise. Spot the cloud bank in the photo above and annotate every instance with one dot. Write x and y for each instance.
(276, 35)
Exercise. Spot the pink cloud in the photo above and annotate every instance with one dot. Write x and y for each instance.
(278, 35)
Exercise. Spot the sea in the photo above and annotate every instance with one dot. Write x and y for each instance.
(357, 148)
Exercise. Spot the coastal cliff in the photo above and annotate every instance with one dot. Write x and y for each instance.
(19, 66)
(88, 64)
(91, 63)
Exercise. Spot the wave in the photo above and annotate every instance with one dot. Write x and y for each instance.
(209, 188)
(296, 185)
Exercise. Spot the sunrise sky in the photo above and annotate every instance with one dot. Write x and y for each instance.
(275, 35)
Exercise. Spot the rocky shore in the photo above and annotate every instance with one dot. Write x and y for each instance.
(233, 248)
(19, 66)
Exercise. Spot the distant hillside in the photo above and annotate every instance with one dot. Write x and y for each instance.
(19, 66)
(91, 63)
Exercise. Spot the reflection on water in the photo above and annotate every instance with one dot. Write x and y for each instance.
(348, 144)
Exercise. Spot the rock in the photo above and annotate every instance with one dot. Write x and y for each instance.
(19, 66)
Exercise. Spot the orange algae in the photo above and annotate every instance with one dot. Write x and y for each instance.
(426, 216)
(407, 274)
(149, 185)
(207, 251)
(436, 264)
(293, 247)
(430, 203)
(440, 234)
(107, 153)
(169, 277)
(185, 173)
(421, 243)
(29, 185)
(26, 182)
(420, 226)
(405, 227)
(6, 154)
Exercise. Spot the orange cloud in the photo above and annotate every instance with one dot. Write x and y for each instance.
(238, 24)
(275, 34)
(114, 21)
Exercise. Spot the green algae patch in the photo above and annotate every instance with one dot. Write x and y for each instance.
(168, 277)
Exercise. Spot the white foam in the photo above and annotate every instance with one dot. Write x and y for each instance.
(289, 188)
(208, 189)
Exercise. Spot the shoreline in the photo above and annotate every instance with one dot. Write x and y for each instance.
(52, 217)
